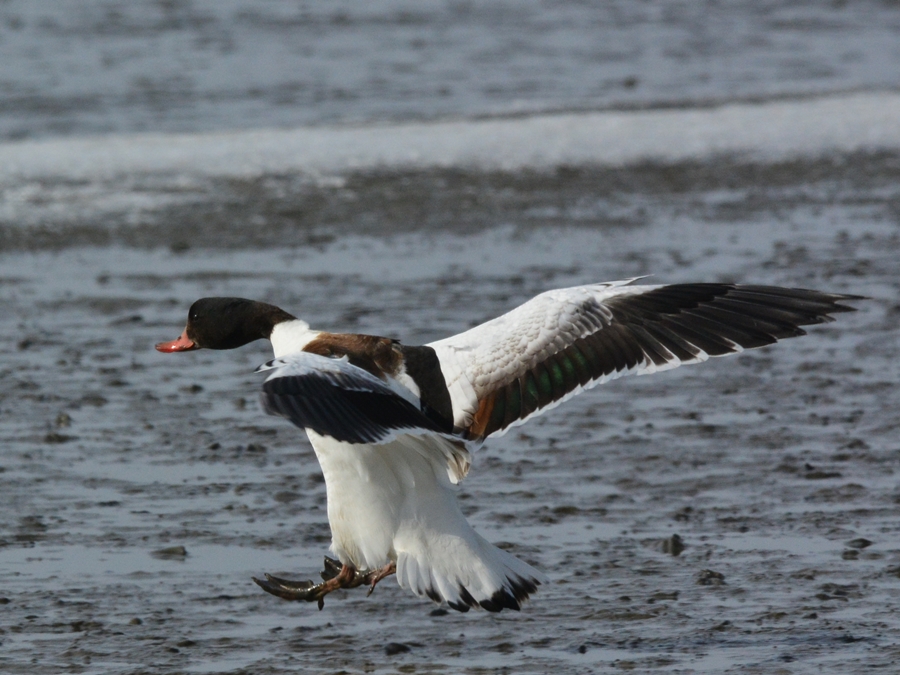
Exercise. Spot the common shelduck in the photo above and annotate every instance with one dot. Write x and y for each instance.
(394, 426)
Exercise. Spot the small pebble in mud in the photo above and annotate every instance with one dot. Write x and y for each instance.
(850, 554)
(54, 437)
(63, 420)
(193, 389)
(440, 611)
(818, 474)
(710, 578)
(392, 648)
(683, 515)
(815, 473)
(131, 318)
(673, 545)
(842, 592)
(859, 543)
(170, 553)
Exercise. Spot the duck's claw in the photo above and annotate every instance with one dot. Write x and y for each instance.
(335, 575)
(332, 568)
(289, 583)
(290, 589)
(373, 577)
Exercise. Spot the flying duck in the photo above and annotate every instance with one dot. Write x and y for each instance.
(394, 426)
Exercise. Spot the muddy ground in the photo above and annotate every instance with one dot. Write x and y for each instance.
(141, 491)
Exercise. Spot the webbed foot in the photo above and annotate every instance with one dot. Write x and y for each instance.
(290, 589)
(335, 575)
(374, 576)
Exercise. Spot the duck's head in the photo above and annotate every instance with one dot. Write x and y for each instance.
(225, 323)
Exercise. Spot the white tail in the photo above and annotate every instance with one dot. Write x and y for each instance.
(465, 571)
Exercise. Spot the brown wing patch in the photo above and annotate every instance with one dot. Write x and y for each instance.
(481, 421)
(377, 355)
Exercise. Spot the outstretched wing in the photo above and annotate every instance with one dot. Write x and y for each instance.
(337, 399)
(563, 341)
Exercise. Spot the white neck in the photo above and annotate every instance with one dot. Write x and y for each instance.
(289, 337)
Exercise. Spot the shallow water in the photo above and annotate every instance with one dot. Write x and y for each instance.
(100, 66)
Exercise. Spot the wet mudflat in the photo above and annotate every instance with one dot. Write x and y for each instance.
(141, 491)
(737, 516)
